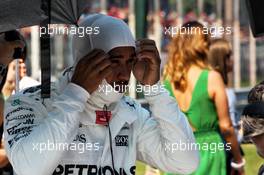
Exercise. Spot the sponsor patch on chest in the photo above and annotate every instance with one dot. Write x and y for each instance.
(102, 117)
(121, 140)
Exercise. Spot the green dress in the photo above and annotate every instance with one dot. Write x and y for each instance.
(203, 117)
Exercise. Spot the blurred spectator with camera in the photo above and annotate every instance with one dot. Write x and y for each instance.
(11, 46)
(7, 52)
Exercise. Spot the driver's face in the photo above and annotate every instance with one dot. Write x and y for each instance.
(123, 59)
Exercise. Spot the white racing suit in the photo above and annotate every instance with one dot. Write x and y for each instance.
(59, 135)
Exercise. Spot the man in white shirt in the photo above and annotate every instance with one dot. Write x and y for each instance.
(88, 109)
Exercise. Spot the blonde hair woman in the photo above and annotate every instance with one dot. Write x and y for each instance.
(201, 95)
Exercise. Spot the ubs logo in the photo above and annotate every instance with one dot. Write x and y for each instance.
(121, 140)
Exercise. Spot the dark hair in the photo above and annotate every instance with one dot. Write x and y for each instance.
(219, 52)
(256, 94)
(13, 35)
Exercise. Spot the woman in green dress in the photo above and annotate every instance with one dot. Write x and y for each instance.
(200, 93)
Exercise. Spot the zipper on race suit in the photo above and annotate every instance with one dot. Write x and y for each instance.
(110, 136)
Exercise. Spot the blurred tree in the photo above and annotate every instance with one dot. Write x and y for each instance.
(192, 6)
(189, 6)
(141, 10)
(209, 6)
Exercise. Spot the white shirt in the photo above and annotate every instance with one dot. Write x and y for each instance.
(235, 118)
(67, 118)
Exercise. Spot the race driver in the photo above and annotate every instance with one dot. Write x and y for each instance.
(114, 128)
